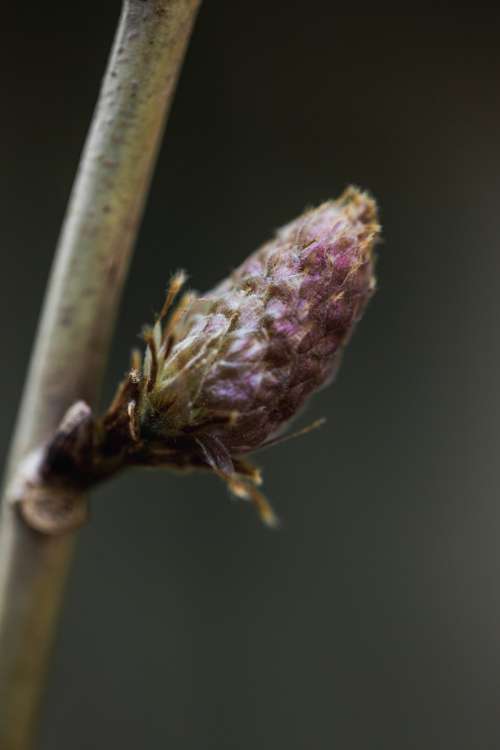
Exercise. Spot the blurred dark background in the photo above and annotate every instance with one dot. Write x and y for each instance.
(372, 619)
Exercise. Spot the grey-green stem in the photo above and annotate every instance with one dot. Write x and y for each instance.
(76, 325)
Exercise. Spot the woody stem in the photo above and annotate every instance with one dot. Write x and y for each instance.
(77, 320)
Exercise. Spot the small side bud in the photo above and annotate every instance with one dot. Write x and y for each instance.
(49, 486)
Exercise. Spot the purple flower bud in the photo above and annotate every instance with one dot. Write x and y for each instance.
(259, 344)
(229, 370)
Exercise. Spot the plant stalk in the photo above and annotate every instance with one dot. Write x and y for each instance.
(77, 321)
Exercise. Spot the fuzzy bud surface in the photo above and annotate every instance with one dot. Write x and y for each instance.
(236, 364)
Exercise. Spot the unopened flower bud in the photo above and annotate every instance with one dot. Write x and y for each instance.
(225, 375)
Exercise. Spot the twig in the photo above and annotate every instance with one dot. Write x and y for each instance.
(76, 325)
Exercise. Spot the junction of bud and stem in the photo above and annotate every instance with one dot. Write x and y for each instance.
(85, 451)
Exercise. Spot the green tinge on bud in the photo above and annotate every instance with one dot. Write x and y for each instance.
(228, 370)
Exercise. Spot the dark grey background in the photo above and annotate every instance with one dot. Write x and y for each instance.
(372, 620)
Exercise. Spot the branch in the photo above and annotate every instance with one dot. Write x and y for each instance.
(73, 339)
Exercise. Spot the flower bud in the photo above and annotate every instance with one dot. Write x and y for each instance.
(226, 374)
